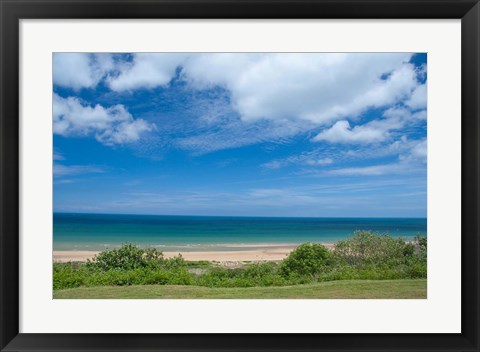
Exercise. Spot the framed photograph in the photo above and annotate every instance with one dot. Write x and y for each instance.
(200, 175)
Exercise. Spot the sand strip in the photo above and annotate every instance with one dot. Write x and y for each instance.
(270, 253)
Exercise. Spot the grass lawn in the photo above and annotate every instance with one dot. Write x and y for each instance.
(332, 289)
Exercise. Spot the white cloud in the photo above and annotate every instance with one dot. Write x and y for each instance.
(341, 132)
(417, 152)
(418, 99)
(112, 125)
(404, 116)
(233, 133)
(274, 164)
(60, 170)
(373, 131)
(402, 147)
(57, 156)
(80, 70)
(374, 170)
(312, 158)
(314, 87)
(275, 95)
(147, 70)
(124, 132)
(412, 154)
(322, 162)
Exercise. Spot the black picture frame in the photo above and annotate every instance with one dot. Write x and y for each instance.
(12, 11)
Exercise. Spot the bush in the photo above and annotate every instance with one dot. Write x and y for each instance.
(256, 274)
(128, 265)
(127, 257)
(308, 259)
(364, 256)
(421, 245)
(367, 248)
(66, 276)
(130, 257)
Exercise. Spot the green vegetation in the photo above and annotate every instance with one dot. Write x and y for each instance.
(365, 256)
(308, 259)
(128, 265)
(403, 289)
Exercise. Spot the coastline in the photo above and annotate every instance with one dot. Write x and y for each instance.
(264, 252)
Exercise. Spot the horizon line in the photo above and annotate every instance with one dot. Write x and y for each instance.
(248, 216)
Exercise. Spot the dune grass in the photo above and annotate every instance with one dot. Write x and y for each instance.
(354, 289)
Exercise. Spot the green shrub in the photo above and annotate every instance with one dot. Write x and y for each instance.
(308, 259)
(364, 256)
(421, 245)
(256, 274)
(66, 275)
(174, 262)
(128, 265)
(417, 263)
(130, 257)
(127, 257)
(409, 250)
(366, 248)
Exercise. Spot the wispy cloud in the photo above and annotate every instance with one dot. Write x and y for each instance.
(409, 156)
(315, 158)
(233, 133)
(374, 170)
(65, 181)
(411, 159)
(60, 170)
(57, 156)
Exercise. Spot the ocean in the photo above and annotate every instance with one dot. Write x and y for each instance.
(172, 233)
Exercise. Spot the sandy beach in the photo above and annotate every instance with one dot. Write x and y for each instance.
(274, 252)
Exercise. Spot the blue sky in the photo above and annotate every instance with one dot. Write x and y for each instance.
(312, 134)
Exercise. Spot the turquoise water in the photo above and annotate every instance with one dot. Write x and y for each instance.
(101, 231)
